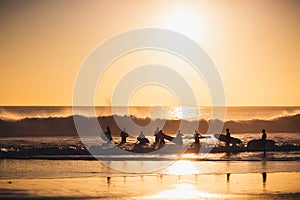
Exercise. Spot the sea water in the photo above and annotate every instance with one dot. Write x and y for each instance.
(209, 176)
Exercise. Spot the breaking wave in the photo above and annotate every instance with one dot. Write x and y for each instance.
(64, 126)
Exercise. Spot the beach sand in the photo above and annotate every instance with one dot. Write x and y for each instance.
(200, 186)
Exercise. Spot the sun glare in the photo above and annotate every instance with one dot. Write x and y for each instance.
(183, 191)
(183, 20)
(190, 156)
(183, 167)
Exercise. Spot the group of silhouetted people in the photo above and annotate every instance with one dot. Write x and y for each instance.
(263, 139)
(123, 135)
(158, 134)
(178, 139)
(141, 139)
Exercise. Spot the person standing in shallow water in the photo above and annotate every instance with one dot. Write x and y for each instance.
(178, 138)
(108, 134)
(142, 139)
(197, 137)
(123, 135)
(156, 135)
(264, 140)
(228, 136)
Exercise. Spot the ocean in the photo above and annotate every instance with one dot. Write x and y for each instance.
(42, 157)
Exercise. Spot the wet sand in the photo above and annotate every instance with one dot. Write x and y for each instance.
(200, 186)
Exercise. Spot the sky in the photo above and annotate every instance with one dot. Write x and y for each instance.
(255, 46)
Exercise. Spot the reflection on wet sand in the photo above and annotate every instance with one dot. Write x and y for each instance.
(264, 180)
(162, 186)
(183, 180)
(228, 177)
(264, 176)
(183, 191)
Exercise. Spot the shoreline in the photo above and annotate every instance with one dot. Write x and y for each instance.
(111, 158)
(116, 153)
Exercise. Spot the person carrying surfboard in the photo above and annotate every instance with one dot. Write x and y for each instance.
(197, 137)
(108, 134)
(228, 136)
(142, 139)
(123, 135)
(158, 136)
(178, 138)
(264, 139)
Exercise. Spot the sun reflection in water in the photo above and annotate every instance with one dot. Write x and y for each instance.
(189, 156)
(183, 167)
(183, 191)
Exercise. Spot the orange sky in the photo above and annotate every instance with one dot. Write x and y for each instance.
(255, 46)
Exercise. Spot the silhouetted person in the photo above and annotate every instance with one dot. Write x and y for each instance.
(264, 140)
(142, 139)
(228, 136)
(141, 135)
(196, 145)
(108, 134)
(264, 135)
(160, 138)
(123, 135)
(197, 137)
(178, 138)
(156, 135)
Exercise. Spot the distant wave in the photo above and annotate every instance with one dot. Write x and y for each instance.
(13, 113)
(64, 126)
(234, 113)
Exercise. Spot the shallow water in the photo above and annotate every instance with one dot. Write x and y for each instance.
(180, 180)
(72, 148)
(14, 169)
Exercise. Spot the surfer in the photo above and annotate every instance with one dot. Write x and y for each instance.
(197, 137)
(264, 140)
(156, 135)
(178, 138)
(160, 138)
(142, 139)
(264, 135)
(228, 136)
(108, 134)
(123, 135)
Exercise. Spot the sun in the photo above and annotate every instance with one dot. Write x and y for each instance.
(184, 20)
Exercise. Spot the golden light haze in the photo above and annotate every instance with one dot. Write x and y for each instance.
(255, 46)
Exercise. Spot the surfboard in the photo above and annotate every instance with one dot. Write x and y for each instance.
(204, 137)
(190, 137)
(259, 145)
(224, 138)
(143, 140)
(168, 137)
